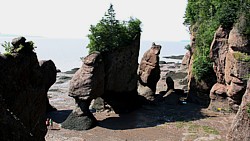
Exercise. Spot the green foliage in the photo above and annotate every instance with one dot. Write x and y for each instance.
(195, 128)
(227, 13)
(223, 11)
(243, 24)
(248, 109)
(110, 33)
(202, 67)
(242, 56)
(7, 46)
(210, 130)
(246, 77)
(204, 17)
(7, 54)
(188, 47)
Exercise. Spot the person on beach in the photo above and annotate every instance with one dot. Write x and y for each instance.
(49, 123)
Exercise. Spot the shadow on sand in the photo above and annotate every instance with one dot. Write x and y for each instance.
(148, 115)
(59, 116)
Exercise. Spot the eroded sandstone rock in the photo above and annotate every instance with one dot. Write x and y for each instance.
(185, 61)
(109, 75)
(149, 72)
(218, 53)
(87, 84)
(226, 52)
(49, 71)
(23, 93)
(239, 130)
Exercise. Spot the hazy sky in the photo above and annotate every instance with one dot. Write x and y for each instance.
(161, 19)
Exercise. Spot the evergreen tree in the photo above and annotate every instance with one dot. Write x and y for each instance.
(110, 33)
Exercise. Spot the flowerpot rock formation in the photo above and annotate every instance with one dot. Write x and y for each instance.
(109, 75)
(149, 73)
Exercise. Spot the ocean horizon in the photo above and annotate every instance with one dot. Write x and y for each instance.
(66, 53)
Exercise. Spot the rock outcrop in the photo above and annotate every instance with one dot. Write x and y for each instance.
(240, 127)
(49, 72)
(198, 91)
(218, 53)
(87, 84)
(185, 61)
(228, 52)
(23, 93)
(110, 75)
(121, 77)
(149, 72)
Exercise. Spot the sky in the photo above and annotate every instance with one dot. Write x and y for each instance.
(161, 19)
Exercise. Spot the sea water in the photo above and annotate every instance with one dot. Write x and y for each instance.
(67, 53)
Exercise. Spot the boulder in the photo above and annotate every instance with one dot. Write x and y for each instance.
(149, 72)
(23, 94)
(218, 96)
(18, 41)
(239, 130)
(80, 118)
(170, 83)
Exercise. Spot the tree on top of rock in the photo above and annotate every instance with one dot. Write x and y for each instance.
(111, 33)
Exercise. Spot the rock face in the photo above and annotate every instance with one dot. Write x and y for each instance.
(198, 91)
(236, 69)
(110, 75)
(218, 52)
(240, 128)
(23, 93)
(149, 72)
(185, 61)
(227, 52)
